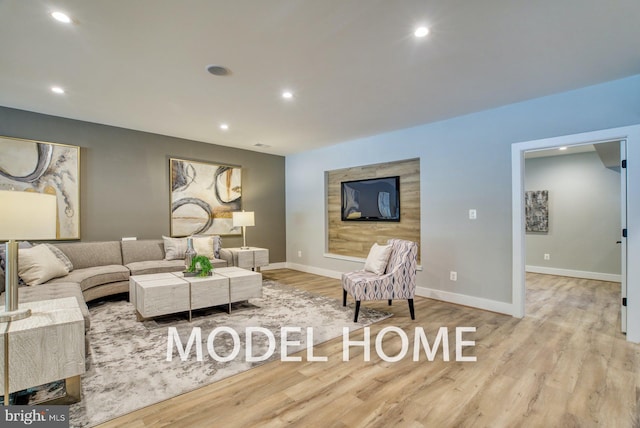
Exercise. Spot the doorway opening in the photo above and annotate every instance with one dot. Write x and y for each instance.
(573, 223)
(630, 134)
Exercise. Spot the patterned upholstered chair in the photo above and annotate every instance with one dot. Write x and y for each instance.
(397, 282)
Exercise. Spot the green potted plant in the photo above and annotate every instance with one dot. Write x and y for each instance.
(200, 266)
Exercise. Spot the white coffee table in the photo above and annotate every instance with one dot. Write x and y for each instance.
(169, 293)
(46, 347)
(243, 284)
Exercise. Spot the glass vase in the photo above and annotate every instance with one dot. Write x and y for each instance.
(189, 254)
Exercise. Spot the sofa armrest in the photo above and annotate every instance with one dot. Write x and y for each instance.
(227, 256)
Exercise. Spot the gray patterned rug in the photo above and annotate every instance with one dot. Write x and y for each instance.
(127, 367)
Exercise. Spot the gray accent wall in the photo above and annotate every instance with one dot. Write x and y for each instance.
(465, 163)
(125, 178)
(584, 214)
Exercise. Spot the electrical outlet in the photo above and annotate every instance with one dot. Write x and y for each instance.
(547, 256)
(453, 276)
(473, 214)
(299, 253)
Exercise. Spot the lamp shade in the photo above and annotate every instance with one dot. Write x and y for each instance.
(243, 218)
(27, 215)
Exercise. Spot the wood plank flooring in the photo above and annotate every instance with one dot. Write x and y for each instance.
(564, 365)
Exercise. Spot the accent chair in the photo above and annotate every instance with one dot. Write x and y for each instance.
(397, 282)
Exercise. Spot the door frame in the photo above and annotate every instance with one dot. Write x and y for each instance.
(632, 135)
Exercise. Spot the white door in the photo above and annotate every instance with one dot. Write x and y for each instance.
(623, 239)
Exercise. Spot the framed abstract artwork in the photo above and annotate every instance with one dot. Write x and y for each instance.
(38, 166)
(203, 196)
(537, 210)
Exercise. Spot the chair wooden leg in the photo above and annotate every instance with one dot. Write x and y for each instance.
(355, 317)
(344, 297)
(389, 302)
(411, 311)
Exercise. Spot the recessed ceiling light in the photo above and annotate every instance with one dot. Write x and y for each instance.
(421, 32)
(57, 90)
(562, 148)
(224, 126)
(287, 95)
(62, 17)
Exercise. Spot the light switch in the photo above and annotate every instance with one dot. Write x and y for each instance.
(473, 214)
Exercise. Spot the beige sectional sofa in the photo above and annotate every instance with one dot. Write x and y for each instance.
(103, 269)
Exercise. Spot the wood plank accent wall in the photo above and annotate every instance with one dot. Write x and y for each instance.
(355, 238)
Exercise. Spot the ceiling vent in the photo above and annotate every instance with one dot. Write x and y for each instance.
(218, 70)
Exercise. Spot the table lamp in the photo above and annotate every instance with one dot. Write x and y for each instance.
(244, 219)
(25, 216)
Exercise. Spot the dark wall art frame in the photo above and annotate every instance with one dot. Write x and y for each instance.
(537, 211)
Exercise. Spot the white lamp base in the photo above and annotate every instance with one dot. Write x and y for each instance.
(15, 315)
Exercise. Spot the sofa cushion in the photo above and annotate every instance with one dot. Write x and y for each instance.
(61, 256)
(174, 248)
(90, 254)
(55, 291)
(94, 276)
(163, 266)
(155, 266)
(38, 265)
(143, 250)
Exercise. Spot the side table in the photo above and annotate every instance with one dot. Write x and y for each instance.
(46, 347)
(249, 258)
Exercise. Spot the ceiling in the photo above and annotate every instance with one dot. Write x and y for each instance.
(354, 67)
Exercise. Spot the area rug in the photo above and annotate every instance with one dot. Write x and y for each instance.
(127, 360)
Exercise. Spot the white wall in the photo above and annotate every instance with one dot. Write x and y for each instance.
(584, 217)
(465, 163)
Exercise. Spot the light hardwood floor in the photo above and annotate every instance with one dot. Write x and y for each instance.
(564, 365)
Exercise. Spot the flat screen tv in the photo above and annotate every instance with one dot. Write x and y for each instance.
(374, 199)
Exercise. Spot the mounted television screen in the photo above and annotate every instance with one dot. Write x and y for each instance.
(375, 199)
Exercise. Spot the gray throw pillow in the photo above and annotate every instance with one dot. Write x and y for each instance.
(174, 248)
(217, 245)
(3, 252)
(61, 256)
(3, 258)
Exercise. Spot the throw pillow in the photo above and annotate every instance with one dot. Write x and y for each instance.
(3, 252)
(2, 280)
(204, 246)
(217, 245)
(61, 256)
(38, 265)
(377, 259)
(174, 248)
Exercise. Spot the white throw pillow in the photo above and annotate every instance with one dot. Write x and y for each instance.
(204, 246)
(377, 259)
(174, 248)
(38, 265)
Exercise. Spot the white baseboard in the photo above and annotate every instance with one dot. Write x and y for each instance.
(465, 300)
(273, 266)
(315, 270)
(599, 276)
(458, 299)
